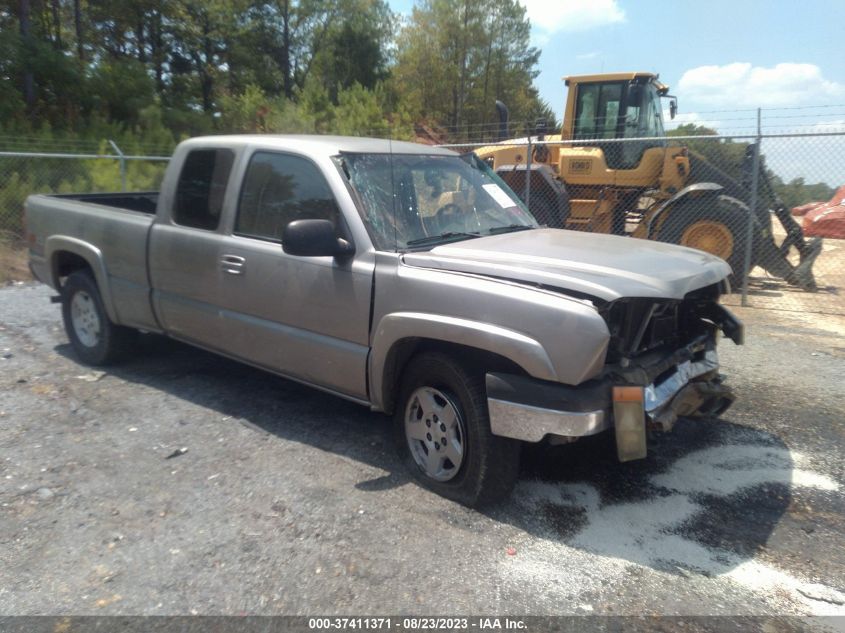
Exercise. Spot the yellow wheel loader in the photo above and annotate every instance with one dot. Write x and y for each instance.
(616, 172)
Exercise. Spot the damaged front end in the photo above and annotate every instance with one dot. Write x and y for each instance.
(668, 348)
(661, 364)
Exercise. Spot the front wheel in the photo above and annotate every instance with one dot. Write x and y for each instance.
(95, 339)
(442, 431)
(718, 226)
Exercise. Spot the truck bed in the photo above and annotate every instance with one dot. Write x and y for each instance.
(141, 201)
(118, 224)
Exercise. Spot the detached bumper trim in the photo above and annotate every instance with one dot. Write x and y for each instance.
(527, 409)
(657, 396)
(532, 424)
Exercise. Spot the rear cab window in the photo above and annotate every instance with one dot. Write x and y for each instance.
(202, 188)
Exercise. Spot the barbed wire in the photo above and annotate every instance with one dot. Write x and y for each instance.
(804, 167)
(774, 109)
(31, 144)
(474, 133)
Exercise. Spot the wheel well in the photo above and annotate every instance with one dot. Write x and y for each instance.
(65, 263)
(405, 349)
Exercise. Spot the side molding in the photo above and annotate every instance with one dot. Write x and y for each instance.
(91, 254)
(519, 348)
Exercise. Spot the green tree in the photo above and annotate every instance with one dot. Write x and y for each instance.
(85, 67)
(355, 49)
(797, 192)
(725, 155)
(121, 89)
(457, 57)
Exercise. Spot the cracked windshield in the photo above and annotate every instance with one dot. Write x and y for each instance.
(417, 201)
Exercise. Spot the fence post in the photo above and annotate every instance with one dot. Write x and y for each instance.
(749, 235)
(528, 174)
(122, 158)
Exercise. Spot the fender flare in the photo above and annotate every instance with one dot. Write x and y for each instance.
(707, 188)
(56, 244)
(523, 350)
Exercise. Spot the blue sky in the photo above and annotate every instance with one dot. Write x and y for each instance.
(679, 38)
(716, 55)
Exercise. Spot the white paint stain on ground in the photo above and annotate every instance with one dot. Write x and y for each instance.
(645, 533)
(725, 470)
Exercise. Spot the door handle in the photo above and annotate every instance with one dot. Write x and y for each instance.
(233, 264)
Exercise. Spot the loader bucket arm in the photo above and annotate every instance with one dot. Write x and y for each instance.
(765, 252)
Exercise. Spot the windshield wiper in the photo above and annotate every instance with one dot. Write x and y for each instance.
(450, 236)
(510, 228)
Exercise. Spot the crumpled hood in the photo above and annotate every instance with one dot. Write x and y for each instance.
(607, 267)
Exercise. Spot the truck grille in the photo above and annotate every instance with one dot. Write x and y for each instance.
(641, 325)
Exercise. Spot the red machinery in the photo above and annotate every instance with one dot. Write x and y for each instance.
(828, 218)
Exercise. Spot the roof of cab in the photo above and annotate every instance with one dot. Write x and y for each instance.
(599, 77)
(317, 144)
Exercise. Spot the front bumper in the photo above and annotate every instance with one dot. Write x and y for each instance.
(527, 409)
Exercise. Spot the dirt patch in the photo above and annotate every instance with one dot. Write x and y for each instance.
(289, 501)
(13, 261)
(771, 293)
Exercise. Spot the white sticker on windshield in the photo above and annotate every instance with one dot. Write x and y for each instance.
(498, 194)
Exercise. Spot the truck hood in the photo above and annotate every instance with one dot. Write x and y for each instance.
(606, 267)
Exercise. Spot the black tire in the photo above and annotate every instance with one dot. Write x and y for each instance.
(98, 341)
(489, 464)
(726, 211)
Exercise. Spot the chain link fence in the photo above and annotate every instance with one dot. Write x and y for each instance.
(769, 204)
(29, 166)
(23, 173)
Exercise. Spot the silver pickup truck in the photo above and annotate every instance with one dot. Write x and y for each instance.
(407, 278)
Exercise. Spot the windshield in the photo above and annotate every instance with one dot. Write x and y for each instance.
(418, 201)
(599, 107)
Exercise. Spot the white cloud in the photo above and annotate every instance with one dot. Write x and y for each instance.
(572, 15)
(590, 55)
(741, 85)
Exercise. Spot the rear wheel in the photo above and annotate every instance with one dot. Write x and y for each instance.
(95, 339)
(442, 431)
(714, 225)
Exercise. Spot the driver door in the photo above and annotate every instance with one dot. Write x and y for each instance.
(304, 317)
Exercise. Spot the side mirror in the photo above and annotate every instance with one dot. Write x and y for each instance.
(314, 238)
(673, 108)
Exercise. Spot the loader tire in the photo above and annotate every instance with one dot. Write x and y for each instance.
(715, 225)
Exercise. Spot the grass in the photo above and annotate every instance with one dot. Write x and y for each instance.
(13, 260)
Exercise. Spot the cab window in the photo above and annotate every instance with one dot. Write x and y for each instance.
(278, 189)
(202, 187)
(597, 110)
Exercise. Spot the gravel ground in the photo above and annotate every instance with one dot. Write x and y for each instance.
(289, 501)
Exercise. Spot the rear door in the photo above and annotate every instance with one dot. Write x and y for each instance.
(185, 252)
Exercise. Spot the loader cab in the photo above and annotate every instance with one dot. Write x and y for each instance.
(604, 109)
